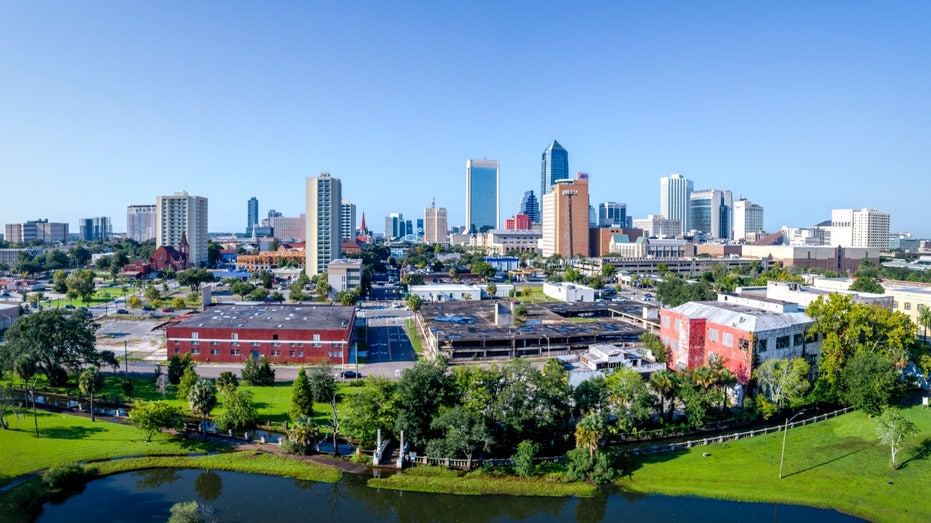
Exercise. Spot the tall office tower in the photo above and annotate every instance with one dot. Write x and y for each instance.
(530, 207)
(482, 198)
(347, 220)
(871, 228)
(748, 218)
(324, 197)
(252, 218)
(95, 228)
(272, 213)
(712, 212)
(140, 222)
(434, 224)
(612, 214)
(394, 226)
(553, 166)
(288, 228)
(183, 215)
(674, 192)
(565, 218)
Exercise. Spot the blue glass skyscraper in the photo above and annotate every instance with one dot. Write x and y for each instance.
(554, 166)
(481, 195)
(530, 206)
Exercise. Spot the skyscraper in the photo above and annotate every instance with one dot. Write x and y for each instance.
(748, 218)
(712, 212)
(612, 214)
(140, 222)
(565, 218)
(98, 228)
(554, 166)
(530, 206)
(434, 224)
(183, 215)
(347, 219)
(324, 197)
(394, 226)
(482, 200)
(674, 192)
(252, 218)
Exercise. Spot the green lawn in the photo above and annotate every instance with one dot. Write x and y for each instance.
(64, 438)
(478, 482)
(838, 463)
(414, 336)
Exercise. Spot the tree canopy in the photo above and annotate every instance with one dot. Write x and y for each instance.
(58, 340)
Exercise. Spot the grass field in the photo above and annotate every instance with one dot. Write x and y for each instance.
(530, 294)
(414, 336)
(479, 482)
(838, 463)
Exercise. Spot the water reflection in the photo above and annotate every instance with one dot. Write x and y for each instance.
(148, 495)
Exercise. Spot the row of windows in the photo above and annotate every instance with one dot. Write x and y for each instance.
(255, 343)
(236, 352)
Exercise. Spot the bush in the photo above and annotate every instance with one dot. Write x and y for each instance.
(128, 387)
(66, 476)
(258, 374)
(227, 381)
(524, 459)
(599, 469)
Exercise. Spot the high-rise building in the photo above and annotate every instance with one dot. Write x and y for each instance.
(658, 226)
(288, 227)
(674, 193)
(482, 195)
(520, 222)
(871, 228)
(712, 212)
(36, 230)
(347, 220)
(394, 226)
(565, 218)
(141, 222)
(748, 218)
(554, 165)
(612, 214)
(324, 198)
(530, 206)
(252, 218)
(434, 225)
(182, 215)
(98, 228)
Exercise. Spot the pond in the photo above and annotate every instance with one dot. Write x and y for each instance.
(148, 495)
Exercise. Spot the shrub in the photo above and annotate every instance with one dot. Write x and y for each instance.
(128, 387)
(65, 476)
(523, 460)
(258, 374)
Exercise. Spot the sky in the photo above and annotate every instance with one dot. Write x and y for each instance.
(801, 107)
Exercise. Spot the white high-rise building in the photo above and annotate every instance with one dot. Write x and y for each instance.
(674, 193)
(748, 218)
(347, 220)
(140, 222)
(324, 198)
(712, 212)
(434, 225)
(181, 215)
(871, 228)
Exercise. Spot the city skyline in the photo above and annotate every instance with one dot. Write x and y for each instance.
(99, 118)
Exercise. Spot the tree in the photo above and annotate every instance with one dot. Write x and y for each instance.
(194, 278)
(464, 433)
(630, 398)
(414, 302)
(924, 318)
(258, 374)
(81, 284)
(176, 367)
(178, 302)
(186, 512)
(322, 383)
(202, 398)
(590, 432)
(422, 390)
(59, 340)
(90, 382)
(491, 289)
(161, 384)
(301, 434)
(153, 416)
(674, 291)
(134, 302)
(591, 396)
(241, 288)
(652, 343)
(663, 382)
(524, 459)
(893, 429)
(238, 412)
(370, 409)
(484, 270)
(870, 381)
(227, 381)
(302, 400)
(867, 284)
(783, 381)
(188, 379)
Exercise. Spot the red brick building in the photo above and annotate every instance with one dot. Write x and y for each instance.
(282, 333)
(742, 332)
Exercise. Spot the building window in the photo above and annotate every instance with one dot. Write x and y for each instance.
(177, 351)
(761, 345)
(713, 335)
(291, 344)
(300, 354)
(234, 336)
(908, 305)
(743, 344)
(276, 344)
(291, 353)
(728, 339)
(274, 336)
(214, 343)
(317, 340)
(782, 342)
(193, 335)
(234, 344)
(665, 321)
(276, 353)
(798, 339)
(678, 324)
(234, 352)
(214, 352)
(177, 342)
(195, 342)
(254, 344)
(195, 351)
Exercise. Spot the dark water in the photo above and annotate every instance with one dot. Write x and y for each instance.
(234, 497)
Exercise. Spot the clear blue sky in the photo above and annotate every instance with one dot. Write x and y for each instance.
(799, 106)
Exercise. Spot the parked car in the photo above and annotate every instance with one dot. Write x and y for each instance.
(148, 308)
(350, 374)
(168, 309)
(69, 306)
(122, 311)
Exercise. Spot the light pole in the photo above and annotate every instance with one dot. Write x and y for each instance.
(547, 345)
(785, 433)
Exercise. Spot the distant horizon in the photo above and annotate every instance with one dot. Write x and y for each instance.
(799, 107)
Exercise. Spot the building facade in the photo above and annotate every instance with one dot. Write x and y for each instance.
(324, 197)
(347, 219)
(657, 226)
(344, 275)
(748, 219)
(674, 196)
(281, 333)
(565, 218)
(520, 222)
(36, 230)
(252, 215)
(181, 215)
(530, 206)
(554, 165)
(482, 195)
(712, 212)
(434, 225)
(141, 222)
(612, 214)
(92, 229)
(288, 227)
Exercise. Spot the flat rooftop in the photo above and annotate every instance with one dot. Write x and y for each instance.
(272, 316)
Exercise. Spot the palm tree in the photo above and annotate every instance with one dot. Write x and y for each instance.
(663, 383)
(91, 381)
(924, 318)
(590, 431)
(202, 398)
